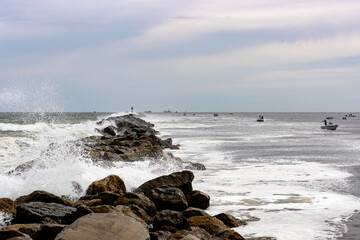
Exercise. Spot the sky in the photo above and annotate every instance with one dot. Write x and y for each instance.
(194, 56)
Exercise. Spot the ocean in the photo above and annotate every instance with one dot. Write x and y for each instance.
(288, 177)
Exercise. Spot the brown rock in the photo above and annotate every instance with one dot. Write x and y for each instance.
(170, 218)
(210, 224)
(111, 183)
(89, 203)
(182, 180)
(168, 198)
(43, 196)
(228, 234)
(104, 226)
(21, 230)
(230, 220)
(49, 231)
(198, 199)
(160, 235)
(7, 205)
(9, 234)
(141, 213)
(138, 199)
(191, 212)
(120, 209)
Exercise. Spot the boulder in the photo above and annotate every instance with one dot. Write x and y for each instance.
(170, 218)
(40, 212)
(112, 183)
(104, 226)
(228, 234)
(182, 180)
(191, 212)
(168, 198)
(160, 235)
(12, 234)
(194, 166)
(43, 196)
(230, 220)
(141, 213)
(7, 205)
(210, 224)
(89, 202)
(108, 198)
(120, 209)
(138, 199)
(20, 230)
(49, 231)
(198, 199)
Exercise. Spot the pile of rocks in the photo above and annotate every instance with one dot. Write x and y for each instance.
(166, 207)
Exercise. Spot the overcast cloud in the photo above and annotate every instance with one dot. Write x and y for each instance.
(205, 55)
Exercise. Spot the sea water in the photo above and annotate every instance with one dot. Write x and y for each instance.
(290, 178)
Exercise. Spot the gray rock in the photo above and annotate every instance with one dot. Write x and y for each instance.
(168, 198)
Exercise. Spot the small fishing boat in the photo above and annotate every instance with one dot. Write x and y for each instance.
(329, 117)
(329, 126)
(350, 115)
(260, 118)
(216, 114)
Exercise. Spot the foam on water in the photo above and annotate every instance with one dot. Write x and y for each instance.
(294, 199)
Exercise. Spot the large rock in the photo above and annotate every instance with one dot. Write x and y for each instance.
(120, 209)
(43, 196)
(141, 213)
(170, 218)
(192, 212)
(20, 230)
(211, 224)
(182, 180)
(39, 212)
(168, 198)
(104, 226)
(112, 183)
(138, 199)
(198, 199)
(7, 205)
(228, 234)
(230, 220)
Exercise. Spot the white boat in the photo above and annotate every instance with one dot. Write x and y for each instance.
(350, 115)
(329, 126)
(260, 118)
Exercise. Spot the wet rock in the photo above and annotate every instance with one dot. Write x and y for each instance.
(168, 198)
(194, 166)
(198, 199)
(108, 197)
(138, 199)
(7, 205)
(112, 183)
(160, 235)
(230, 220)
(12, 234)
(39, 212)
(20, 230)
(228, 234)
(170, 218)
(182, 180)
(191, 212)
(141, 213)
(120, 209)
(210, 224)
(43, 196)
(104, 226)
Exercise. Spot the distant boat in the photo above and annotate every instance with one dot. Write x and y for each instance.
(260, 118)
(147, 111)
(216, 114)
(167, 111)
(344, 118)
(329, 126)
(329, 117)
(350, 115)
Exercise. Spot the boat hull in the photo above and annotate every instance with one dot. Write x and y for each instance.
(330, 127)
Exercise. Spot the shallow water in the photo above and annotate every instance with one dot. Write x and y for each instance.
(298, 179)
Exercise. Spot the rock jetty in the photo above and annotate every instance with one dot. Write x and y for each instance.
(166, 207)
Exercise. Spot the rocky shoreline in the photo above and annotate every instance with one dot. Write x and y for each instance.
(166, 207)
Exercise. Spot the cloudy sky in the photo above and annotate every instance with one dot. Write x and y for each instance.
(198, 55)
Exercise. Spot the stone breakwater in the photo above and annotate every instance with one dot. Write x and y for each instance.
(166, 207)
